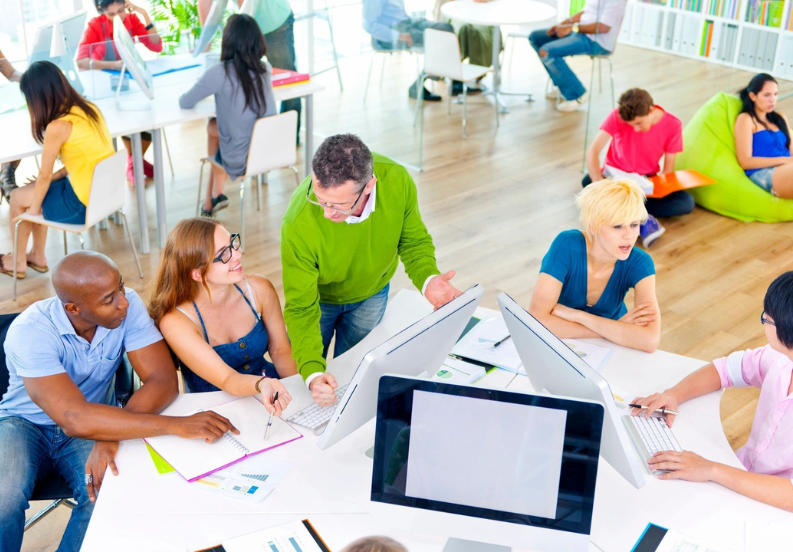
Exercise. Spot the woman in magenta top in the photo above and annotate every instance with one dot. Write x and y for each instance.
(97, 51)
(768, 454)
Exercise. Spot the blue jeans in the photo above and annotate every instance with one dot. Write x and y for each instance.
(351, 322)
(281, 54)
(28, 452)
(574, 44)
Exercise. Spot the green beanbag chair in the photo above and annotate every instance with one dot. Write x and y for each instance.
(709, 147)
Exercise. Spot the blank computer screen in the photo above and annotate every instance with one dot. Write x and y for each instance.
(493, 454)
(452, 437)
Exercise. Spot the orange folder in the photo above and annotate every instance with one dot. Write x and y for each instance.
(665, 184)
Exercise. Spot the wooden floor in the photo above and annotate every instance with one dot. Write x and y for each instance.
(494, 203)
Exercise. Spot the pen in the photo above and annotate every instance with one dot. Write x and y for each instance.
(500, 341)
(270, 421)
(661, 410)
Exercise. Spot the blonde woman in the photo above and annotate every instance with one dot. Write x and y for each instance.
(585, 276)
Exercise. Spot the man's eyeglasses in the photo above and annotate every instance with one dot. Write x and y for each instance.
(330, 206)
(225, 254)
(764, 320)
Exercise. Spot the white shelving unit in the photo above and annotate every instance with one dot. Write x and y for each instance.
(734, 41)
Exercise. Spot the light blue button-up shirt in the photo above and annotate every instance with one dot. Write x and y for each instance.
(379, 16)
(42, 342)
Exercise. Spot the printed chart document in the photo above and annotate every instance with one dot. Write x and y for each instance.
(295, 536)
(594, 355)
(250, 480)
(459, 371)
(480, 344)
(195, 458)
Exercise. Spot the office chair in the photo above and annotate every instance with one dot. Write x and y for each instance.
(54, 487)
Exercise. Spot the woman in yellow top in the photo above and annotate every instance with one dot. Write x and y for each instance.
(68, 127)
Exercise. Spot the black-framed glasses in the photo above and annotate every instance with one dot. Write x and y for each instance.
(329, 206)
(764, 320)
(226, 253)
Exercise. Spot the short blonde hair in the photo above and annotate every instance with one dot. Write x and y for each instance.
(375, 544)
(610, 202)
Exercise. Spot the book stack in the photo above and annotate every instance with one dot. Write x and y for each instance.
(724, 8)
(718, 40)
(689, 5)
(765, 12)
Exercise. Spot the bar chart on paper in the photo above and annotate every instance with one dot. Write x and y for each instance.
(296, 536)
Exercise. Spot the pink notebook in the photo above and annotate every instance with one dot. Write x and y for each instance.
(195, 458)
(282, 77)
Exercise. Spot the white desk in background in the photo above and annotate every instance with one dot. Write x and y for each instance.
(494, 14)
(144, 509)
(16, 141)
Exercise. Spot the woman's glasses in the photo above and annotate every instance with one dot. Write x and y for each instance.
(225, 254)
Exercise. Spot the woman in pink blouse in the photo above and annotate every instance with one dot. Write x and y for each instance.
(768, 454)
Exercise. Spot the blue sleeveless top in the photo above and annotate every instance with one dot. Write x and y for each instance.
(768, 143)
(246, 355)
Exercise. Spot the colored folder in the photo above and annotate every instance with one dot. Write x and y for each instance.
(665, 184)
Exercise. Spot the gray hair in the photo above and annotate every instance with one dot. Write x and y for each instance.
(341, 158)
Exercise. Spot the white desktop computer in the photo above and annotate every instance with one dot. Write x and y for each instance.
(488, 469)
(421, 347)
(553, 367)
(72, 29)
(212, 25)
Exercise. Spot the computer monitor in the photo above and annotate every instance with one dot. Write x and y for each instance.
(553, 367)
(488, 468)
(131, 58)
(72, 27)
(211, 26)
(421, 347)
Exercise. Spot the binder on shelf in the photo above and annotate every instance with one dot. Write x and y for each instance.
(770, 51)
(637, 25)
(670, 31)
(677, 44)
(759, 49)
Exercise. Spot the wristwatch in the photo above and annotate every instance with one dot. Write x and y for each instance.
(575, 27)
(150, 26)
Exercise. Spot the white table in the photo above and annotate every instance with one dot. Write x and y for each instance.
(142, 509)
(16, 141)
(494, 14)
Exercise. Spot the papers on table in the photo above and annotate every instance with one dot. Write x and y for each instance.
(594, 355)
(479, 344)
(250, 480)
(295, 536)
(195, 458)
(459, 371)
(645, 183)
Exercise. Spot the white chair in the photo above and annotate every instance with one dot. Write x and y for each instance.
(269, 150)
(107, 196)
(442, 59)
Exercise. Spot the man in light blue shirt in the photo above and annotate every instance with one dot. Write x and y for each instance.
(392, 29)
(62, 354)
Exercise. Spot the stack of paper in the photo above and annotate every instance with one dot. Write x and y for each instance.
(486, 343)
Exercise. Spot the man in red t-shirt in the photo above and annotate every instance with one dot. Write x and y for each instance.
(97, 51)
(641, 133)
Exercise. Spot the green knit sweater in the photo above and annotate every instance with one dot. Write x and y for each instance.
(340, 263)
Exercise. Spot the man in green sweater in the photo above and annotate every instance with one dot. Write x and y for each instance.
(346, 228)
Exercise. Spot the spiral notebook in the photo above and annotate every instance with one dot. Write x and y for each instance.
(195, 458)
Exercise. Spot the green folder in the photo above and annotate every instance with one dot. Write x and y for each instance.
(162, 466)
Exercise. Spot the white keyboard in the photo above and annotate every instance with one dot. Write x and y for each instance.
(315, 416)
(651, 435)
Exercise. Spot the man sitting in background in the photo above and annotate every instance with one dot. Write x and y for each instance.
(591, 32)
(59, 412)
(392, 29)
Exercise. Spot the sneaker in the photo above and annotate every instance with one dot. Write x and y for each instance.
(218, 203)
(568, 106)
(205, 213)
(553, 93)
(651, 231)
(148, 169)
(8, 181)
